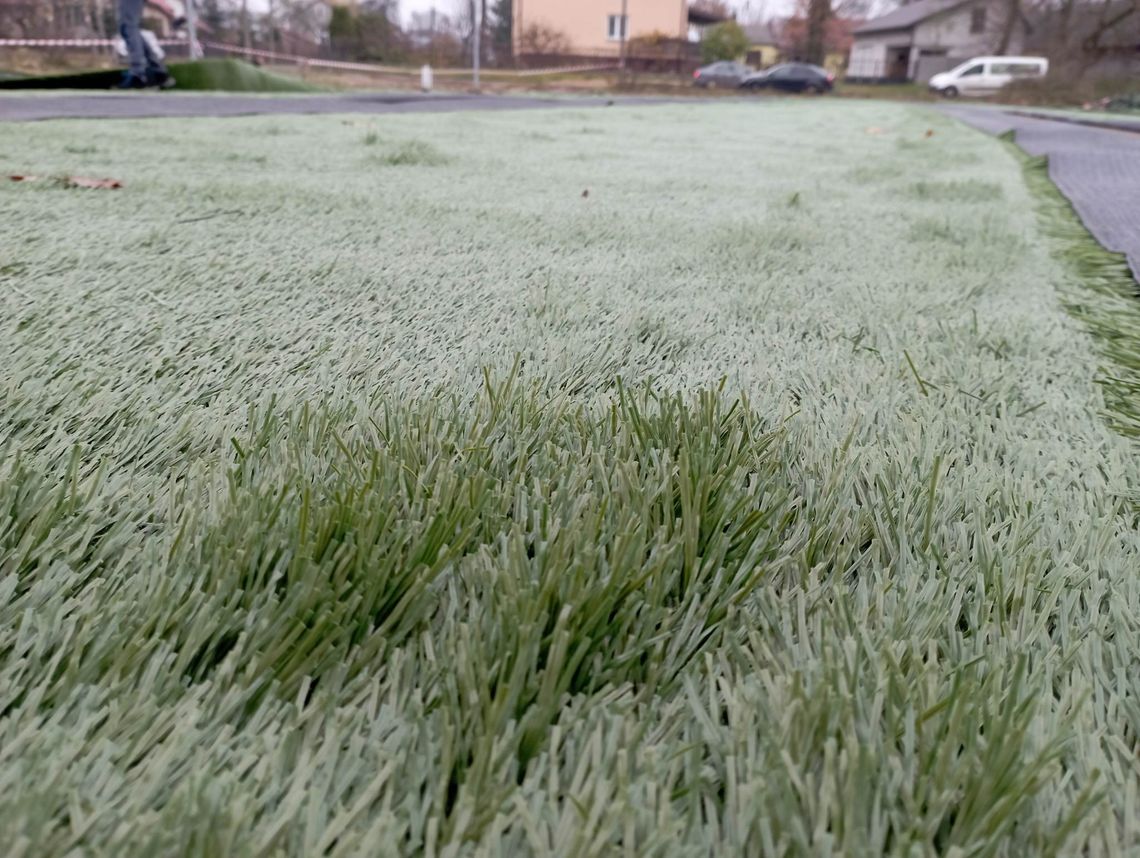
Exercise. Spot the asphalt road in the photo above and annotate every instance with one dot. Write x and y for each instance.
(1098, 169)
(139, 105)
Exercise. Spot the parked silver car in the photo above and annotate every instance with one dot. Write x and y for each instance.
(725, 73)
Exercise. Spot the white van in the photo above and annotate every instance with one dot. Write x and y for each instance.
(986, 75)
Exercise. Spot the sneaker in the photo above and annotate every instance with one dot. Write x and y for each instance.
(160, 79)
(131, 81)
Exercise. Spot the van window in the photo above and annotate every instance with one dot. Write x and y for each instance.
(1016, 69)
(979, 68)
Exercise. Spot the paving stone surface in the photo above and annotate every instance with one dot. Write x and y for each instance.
(1098, 169)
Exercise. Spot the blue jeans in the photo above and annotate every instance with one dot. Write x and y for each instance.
(143, 63)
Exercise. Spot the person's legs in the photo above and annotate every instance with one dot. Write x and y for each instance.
(156, 72)
(130, 22)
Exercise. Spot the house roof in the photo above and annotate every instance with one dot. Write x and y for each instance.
(908, 16)
(762, 34)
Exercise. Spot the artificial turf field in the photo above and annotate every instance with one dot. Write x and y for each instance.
(734, 479)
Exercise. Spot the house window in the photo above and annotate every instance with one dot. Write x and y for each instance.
(615, 27)
(978, 20)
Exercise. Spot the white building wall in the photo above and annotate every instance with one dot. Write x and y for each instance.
(951, 31)
(869, 54)
(945, 39)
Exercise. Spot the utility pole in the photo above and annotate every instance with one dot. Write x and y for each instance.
(477, 24)
(624, 25)
(195, 48)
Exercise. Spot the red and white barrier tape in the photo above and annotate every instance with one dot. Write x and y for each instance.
(71, 43)
(291, 58)
(378, 69)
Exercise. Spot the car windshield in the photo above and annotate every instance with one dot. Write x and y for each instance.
(962, 69)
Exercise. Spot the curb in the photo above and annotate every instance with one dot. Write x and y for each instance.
(1123, 125)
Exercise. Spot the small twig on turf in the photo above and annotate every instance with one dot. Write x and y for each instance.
(917, 377)
(157, 300)
(210, 216)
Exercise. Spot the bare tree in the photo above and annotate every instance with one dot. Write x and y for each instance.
(860, 9)
(305, 20)
(1112, 18)
(753, 11)
(542, 40)
(465, 19)
(1012, 14)
(1076, 35)
(819, 12)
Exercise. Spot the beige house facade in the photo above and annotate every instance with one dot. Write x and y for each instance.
(594, 27)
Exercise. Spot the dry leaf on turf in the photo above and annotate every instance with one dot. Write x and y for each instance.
(88, 182)
(74, 181)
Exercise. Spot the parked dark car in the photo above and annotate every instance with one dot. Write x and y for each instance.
(724, 73)
(792, 77)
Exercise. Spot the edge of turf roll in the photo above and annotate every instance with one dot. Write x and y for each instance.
(1115, 322)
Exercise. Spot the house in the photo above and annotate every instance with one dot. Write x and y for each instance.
(763, 44)
(922, 38)
(546, 30)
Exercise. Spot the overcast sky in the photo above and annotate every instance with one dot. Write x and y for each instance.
(746, 9)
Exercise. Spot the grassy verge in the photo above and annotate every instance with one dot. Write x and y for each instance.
(213, 75)
(1114, 119)
(518, 484)
(891, 91)
(1062, 89)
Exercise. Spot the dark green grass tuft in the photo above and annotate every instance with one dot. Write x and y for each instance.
(503, 568)
(961, 191)
(231, 75)
(413, 153)
(227, 75)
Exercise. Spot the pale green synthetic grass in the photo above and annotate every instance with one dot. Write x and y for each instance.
(368, 488)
